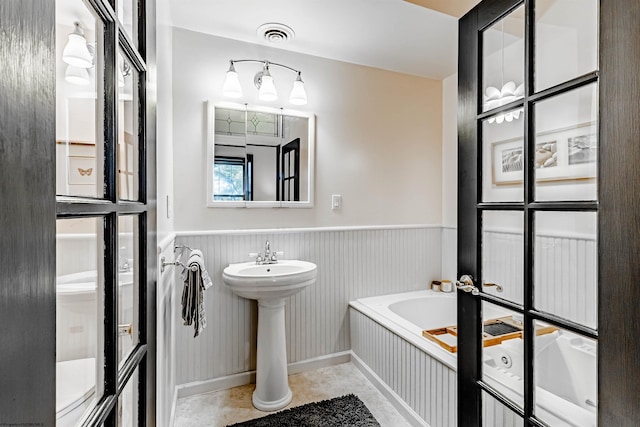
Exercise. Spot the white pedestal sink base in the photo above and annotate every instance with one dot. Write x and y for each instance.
(272, 384)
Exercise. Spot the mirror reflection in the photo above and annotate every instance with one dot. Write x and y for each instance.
(260, 155)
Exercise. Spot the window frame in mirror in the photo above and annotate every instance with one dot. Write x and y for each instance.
(210, 157)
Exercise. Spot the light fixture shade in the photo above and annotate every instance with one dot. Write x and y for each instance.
(267, 88)
(77, 75)
(298, 94)
(76, 52)
(232, 88)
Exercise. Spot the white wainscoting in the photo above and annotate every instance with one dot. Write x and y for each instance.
(565, 272)
(352, 263)
(424, 384)
(166, 346)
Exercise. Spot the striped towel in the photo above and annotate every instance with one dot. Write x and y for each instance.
(195, 283)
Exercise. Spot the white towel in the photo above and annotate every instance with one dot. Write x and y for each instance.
(195, 283)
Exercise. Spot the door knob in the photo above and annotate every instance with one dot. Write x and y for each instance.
(466, 284)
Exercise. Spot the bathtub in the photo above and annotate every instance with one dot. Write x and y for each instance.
(562, 396)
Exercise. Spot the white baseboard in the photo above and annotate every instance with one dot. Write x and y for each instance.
(319, 362)
(243, 378)
(401, 406)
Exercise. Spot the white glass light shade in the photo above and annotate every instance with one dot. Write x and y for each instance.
(76, 52)
(267, 89)
(77, 75)
(298, 94)
(232, 88)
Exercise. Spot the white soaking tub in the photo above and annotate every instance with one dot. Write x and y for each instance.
(387, 341)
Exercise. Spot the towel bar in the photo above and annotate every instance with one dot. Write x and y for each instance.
(164, 264)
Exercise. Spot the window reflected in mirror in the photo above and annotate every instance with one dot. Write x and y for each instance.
(259, 155)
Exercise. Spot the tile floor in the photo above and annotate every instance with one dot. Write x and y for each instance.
(221, 408)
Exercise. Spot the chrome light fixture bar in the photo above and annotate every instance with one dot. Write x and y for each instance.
(264, 83)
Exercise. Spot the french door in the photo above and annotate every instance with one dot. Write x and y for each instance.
(547, 190)
(77, 301)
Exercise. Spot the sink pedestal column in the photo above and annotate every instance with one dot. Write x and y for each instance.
(272, 385)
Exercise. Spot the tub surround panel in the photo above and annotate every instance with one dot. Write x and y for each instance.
(426, 385)
(495, 413)
(351, 264)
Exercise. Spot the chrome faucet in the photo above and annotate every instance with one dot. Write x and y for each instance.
(268, 257)
(267, 250)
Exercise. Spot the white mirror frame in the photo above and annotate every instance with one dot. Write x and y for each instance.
(210, 141)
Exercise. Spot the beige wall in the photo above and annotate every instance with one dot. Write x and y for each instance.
(378, 138)
(450, 151)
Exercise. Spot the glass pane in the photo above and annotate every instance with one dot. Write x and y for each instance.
(567, 146)
(79, 101)
(128, 17)
(566, 40)
(566, 265)
(264, 124)
(503, 61)
(495, 414)
(128, 288)
(503, 157)
(503, 351)
(128, 133)
(79, 317)
(503, 254)
(230, 122)
(566, 388)
(127, 415)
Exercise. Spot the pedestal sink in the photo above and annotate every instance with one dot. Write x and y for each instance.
(270, 284)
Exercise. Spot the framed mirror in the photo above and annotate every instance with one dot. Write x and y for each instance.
(259, 157)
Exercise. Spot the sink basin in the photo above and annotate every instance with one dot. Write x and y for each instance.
(255, 281)
(270, 284)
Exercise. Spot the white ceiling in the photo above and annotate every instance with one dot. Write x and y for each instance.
(389, 34)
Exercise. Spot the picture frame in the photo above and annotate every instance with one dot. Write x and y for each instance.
(563, 154)
(82, 170)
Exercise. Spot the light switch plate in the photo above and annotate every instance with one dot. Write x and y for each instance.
(336, 202)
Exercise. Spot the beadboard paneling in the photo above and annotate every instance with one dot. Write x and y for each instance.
(424, 383)
(351, 264)
(495, 414)
(565, 272)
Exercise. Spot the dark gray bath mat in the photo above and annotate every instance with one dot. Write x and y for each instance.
(342, 411)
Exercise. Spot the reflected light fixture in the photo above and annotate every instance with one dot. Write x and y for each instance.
(76, 52)
(494, 97)
(77, 75)
(264, 83)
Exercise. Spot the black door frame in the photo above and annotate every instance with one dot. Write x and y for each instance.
(30, 207)
(618, 195)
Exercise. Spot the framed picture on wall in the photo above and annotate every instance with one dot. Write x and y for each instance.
(563, 154)
(82, 170)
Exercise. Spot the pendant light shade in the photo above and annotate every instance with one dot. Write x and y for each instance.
(76, 52)
(298, 94)
(232, 88)
(77, 75)
(267, 90)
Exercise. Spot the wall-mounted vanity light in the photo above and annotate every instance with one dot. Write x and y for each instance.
(78, 55)
(76, 52)
(264, 82)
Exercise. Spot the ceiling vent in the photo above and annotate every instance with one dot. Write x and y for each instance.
(275, 33)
